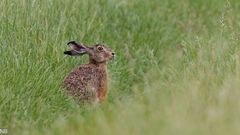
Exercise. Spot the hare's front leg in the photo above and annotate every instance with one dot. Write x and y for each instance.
(101, 95)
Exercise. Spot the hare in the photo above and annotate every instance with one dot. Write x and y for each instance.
(88, 82)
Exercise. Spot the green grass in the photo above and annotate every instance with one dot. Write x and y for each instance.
(177, 69)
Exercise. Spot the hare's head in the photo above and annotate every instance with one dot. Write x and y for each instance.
(98, 53)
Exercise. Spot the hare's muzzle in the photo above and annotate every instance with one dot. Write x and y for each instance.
(113, 55)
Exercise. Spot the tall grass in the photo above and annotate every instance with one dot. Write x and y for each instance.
(177, 69)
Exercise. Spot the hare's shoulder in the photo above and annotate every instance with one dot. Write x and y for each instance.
(84, 74)
(83, 70)
(79, 76)
(88, 69)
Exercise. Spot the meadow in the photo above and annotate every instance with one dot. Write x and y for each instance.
(177, 69)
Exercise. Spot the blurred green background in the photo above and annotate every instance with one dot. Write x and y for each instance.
(177, 69)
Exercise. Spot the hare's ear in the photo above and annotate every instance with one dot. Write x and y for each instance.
(77, 49)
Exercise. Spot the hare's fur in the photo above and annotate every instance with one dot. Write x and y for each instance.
(88, 82)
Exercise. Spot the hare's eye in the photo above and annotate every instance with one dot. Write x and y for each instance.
(100, 48)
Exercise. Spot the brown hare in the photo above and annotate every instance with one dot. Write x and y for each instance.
(88, 82)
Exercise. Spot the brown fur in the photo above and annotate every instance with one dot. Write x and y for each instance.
(88, 82)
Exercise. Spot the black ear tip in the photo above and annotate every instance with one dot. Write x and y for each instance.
(68, 52)
(73, 42)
